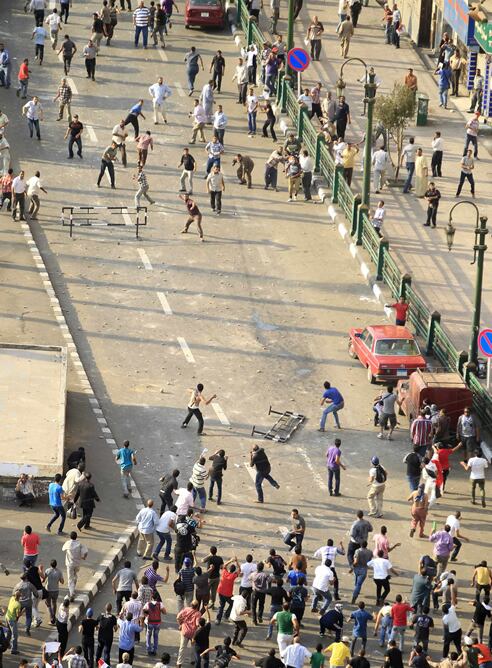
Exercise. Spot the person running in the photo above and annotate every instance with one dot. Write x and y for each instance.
(477, 465)
(143, 186)
(388, 414)
(133, 115)
(259, 460)
(467, 166)
(419, 510)
(125, 457)
(377, 483)
(107, 159)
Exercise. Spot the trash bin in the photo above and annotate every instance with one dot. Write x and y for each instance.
(422, 108)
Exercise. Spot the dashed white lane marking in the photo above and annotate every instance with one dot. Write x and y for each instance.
(220, 413)
(186, 350)
(263, 255)
(316, 476)
(145, 259)
(163, 55)
(127, 218)
(180, 89)
(164, 303)
(72, 85)
(250, 470)
(91, 133)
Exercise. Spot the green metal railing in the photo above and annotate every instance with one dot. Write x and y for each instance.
(427, 325)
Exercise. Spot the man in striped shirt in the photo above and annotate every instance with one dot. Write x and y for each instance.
(198, 478)
(421, 432)
(153, 576)
(141, 19)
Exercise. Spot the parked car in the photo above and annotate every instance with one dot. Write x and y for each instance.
(205, 13)
(389, 352)
(445, 389)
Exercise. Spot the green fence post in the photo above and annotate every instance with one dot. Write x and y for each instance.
(320, 140)
(301, 116)
(249, 36)
(431, 332)
(283, 106)
(363, 209)
(336, 182)
(355, 213)
(383, 248)
(462, 360)
(406, 281)
(281, 75)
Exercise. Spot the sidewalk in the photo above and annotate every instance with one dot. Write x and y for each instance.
(445, 280)
(27, 315)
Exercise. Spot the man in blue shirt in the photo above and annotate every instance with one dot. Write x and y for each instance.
(334, 399)
(55, 493)
(125, 457)
(126, 643)
(360, 617)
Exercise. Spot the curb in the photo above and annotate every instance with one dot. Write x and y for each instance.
(125, 540)
(338, 220)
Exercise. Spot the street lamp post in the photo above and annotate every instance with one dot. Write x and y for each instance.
(479, 249)
(369, 101)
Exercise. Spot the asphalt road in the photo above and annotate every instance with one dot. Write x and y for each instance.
(259, 313)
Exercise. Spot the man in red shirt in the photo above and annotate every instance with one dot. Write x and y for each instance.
(188, 620)
(6, 189)
(485, 656)
(401, 311)
(30, 542)
(23, 78)
(399, 611)
(230, 572)
(443, 454)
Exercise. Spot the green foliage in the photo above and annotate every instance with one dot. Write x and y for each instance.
(395, 111)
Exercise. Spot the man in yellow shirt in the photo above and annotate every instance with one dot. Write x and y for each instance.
(348, 161)
(339, 652)
(14, 611)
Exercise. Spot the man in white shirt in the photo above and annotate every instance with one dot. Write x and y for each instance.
(167, 521)
(296, 654)
(147, 520)
(34, 187)
(323, 577)
(75, 553)
(409, 153)
(246, 584)
(307, 166)
(381, 570)
(220, 123)
(252, 109)
(238, 611)
(119, 138)
(380, 165)
(378, 218)
(454, 523)
(33, 111)
(437, 153)
(184, 499)
(476, 465)
(73, 477)
(18, 191)
(199, 120)
(452, 629)
(306, 100)
(54, 21)
(241, 77)
(159, 92)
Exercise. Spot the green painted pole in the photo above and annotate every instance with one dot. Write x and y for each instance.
(370, 97)
(290, 33)
(480, 248)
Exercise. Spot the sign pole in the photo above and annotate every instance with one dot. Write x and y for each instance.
(299, 90)
(489, 367)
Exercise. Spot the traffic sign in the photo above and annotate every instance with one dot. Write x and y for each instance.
(298, 59)
(485, 342)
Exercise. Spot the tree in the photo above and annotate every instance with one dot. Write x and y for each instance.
(395, 111)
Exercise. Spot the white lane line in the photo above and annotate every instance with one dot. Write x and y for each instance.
(263, 255)
(220, 413)
(145, 259)
(251, 470)
(164, 303)
(92, 134)
(180, 89)
(316, 476)
(186, 350)
(127, 218)
(72, 85)
(163, 55)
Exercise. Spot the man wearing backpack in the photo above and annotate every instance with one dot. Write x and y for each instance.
(377, 484)
(153, 611)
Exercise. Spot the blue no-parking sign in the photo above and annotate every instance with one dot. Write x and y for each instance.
(485, 342)
(298, 59)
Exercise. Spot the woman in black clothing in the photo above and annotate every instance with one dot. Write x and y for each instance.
(270, 121)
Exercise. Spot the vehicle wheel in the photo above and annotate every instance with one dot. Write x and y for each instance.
(351, 351)
(187, 26)
(370, 377)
